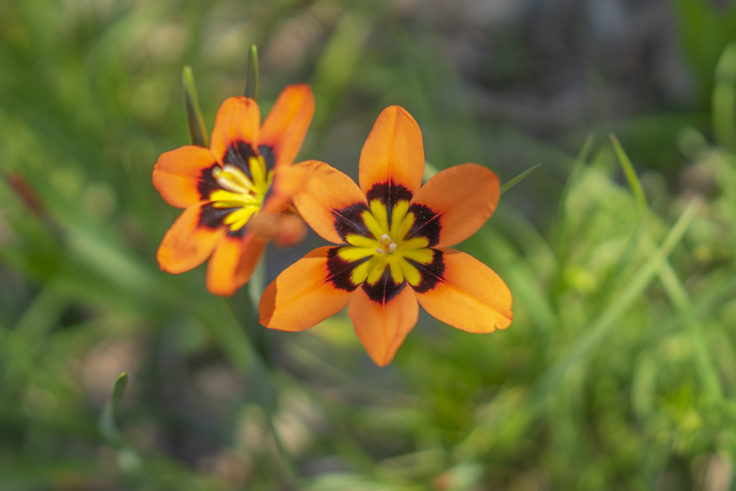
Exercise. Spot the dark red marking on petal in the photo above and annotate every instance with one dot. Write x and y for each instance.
(348, 220)
(212, 217)
(269, 155)
(384, 289)
(207, 182)
(340, 270)
(237, 233)
(426, 224)
(431, 273)
(389, 193)
(238, 154)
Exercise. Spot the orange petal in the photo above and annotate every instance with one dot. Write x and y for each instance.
(291, 230)
(287, 123)
(236, 126)
(462, 197)
(302, 296)
(393, 151)
(382, 327)
(271, 224)
(287, 181)
(326, 191)
(284, 229)
(178, 175)
(469, 296)
(232, 263)
(187, 243)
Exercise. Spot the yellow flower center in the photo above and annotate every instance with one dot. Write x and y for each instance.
(387, 246)
(243, 194)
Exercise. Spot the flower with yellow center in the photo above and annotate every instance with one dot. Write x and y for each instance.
(392, 237)
(242, 195)
(243, 175)
(386, 246)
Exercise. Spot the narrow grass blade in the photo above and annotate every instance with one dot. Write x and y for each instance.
(578, 164)
(251, 80)
(197, 128)
(516, 180)
(108, 428)
(679, 298)
(724, 99)
(560, 233)
(584, 153)
(634, 182)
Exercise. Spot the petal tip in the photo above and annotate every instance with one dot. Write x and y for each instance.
(382, 328)
(509, 319)
(381, 361)
(221, 289)
(393, 151)
(302, 88)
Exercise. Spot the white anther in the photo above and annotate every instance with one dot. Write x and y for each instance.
(380, 250)
(392, 247)
(385, 238)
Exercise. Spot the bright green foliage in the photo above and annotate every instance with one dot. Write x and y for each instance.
(619, 371)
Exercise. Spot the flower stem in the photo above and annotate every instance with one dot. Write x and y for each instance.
(197, 128)
(251, 81)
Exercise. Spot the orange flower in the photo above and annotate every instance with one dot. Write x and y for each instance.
(246, 172)
(392, 235)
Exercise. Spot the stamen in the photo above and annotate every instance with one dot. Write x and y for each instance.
(258, 172)
(243, 194)
(232, 179)
(386, 247)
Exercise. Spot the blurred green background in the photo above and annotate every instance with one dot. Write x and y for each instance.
(619, 371)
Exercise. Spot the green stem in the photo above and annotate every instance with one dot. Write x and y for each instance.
(251, 81)
(197, 128)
